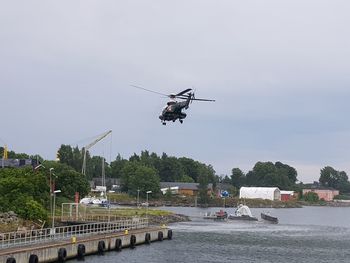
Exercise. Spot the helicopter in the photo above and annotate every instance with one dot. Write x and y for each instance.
(174, 109)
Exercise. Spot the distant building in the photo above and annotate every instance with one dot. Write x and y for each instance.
(188, 189)
(270, 193)
(111, 183)
(326, 194)
(287, 195)
(17, 163)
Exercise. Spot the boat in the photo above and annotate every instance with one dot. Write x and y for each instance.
(219, 215)
(242, 213)
(270, 218)
(94, 201)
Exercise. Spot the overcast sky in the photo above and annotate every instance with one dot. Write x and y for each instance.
(279, 71)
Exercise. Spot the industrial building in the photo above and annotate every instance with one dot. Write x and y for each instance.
(326, 194)
(270, 193)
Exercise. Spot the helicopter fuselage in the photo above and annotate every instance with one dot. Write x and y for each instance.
(173, 110)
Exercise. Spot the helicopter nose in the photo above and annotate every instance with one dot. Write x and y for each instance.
(161, 117)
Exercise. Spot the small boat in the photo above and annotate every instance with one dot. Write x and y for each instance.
(220, 215)
(242, 213)
(94, 201)
(270, 218)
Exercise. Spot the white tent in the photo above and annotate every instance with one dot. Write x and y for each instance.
(270, 193)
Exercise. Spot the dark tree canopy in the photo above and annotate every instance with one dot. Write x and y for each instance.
(269, 174)
(238, 178)
(336, 179)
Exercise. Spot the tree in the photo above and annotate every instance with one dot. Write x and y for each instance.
(117, 166)
(336, 179)
(137, 176)
(65, 154)
(171, 170)
(287, 170)
(68, 180)
(237, 178)
(203, 181)
(190, 167)
(269, 174)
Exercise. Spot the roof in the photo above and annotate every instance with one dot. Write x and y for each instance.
(187, 186)
(260, 192)
(287, 192)
(317, 186)
(260, 189)
(320, 189)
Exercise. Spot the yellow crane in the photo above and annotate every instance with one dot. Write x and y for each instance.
(5, 156)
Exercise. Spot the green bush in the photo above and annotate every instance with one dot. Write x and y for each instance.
(342, 197)
(311, 197)
(27, 208)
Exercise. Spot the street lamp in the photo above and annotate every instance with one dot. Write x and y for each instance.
(138, 198)
(148, 192)
(53, 212)
(51, 169)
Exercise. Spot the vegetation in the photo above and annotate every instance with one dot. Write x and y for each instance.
(27, 191)
(144, 171)
(336, 179)
(310, 197)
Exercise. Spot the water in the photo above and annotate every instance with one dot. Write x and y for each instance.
(310, 234)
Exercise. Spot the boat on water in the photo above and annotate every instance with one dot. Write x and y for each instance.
(94, 201)
(219, 215)
(269, 218)
(242, 213)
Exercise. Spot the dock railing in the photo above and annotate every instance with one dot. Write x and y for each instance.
(24, 238)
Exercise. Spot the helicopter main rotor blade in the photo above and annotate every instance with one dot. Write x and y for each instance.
(203, 99)
(156, 92)
(183, 92)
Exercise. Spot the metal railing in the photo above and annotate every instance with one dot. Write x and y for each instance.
(23, 238)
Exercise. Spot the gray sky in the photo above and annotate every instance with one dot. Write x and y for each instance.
(279, 71)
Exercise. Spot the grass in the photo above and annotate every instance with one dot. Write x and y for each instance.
(126, 212)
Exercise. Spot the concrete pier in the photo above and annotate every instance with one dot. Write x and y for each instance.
(75, 247)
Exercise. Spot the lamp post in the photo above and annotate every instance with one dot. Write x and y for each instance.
(138, 198)
(53, 211)
(51, 169)
(148, 192)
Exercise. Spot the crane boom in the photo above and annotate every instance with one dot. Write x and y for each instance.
(87, 147)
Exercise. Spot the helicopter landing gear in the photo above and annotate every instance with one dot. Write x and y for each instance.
(181, 121)
(164, 123)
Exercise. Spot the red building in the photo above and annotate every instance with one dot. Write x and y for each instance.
(287, 195)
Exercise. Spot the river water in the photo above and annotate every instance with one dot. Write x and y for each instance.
(309, 234)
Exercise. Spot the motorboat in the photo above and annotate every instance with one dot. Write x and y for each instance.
(86, 201)
(242, 213)
(269, 218)
(94, 201)
(219, 215)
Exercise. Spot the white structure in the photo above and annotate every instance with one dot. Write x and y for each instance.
(173, 190)
(243, 210)
(270, 193)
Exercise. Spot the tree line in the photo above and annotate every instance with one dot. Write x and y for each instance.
(141, 172)
(27, 192)
(183, 169)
